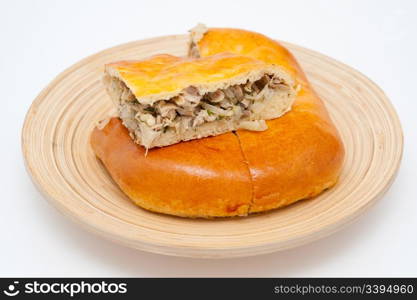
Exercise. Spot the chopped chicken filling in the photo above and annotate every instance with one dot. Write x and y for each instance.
(190, 108)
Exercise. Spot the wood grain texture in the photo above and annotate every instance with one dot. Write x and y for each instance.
(55, 144)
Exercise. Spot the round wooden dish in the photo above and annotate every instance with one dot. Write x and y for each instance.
(56, 147)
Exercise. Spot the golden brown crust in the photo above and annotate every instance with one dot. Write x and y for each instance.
(199, 178)
(298, 157)
(252, 44)
(164, 76)
(301, 154)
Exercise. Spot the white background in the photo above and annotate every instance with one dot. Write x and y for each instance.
(39, 39)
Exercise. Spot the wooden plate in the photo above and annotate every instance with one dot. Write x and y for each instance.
(55, 143)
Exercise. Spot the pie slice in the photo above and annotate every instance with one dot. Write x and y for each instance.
(166, 99)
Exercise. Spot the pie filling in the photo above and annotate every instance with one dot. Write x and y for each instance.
(240, 104)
